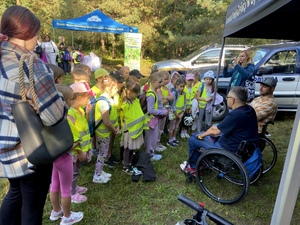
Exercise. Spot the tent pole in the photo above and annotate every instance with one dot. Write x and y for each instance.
(290, 179)
(53, 34)
(217, 78)
(72, 39)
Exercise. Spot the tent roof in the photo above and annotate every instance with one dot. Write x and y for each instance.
(263, 19)
(95, 21)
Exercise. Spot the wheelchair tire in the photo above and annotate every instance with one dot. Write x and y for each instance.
(269, 153)
(222, 176)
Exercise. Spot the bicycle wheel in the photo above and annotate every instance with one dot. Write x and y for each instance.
(222, 176)
(269, 154)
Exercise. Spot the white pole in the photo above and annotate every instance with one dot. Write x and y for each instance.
(290, 179)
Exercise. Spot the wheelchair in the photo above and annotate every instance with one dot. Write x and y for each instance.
(222, 175)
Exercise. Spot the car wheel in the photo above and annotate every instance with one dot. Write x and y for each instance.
(221, 109)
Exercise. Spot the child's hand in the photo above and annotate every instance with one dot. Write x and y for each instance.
(88, 108)
(81, 156)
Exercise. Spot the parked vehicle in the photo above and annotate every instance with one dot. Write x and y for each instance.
(281, 61)
(206, 57)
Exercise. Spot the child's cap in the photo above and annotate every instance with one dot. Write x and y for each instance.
(82, 87)
(100, 72)
(117, 75)
(209, 74)
(190, 76)
(136, 73)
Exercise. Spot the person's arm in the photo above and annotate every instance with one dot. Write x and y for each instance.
(227, 73)
(212, 131)
(53, 109)
(150, 107)
(246, 72)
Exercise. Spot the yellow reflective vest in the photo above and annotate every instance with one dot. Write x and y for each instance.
(134, 118)
(202, 104)
(180, 103)
(80, 130)
(102, 131)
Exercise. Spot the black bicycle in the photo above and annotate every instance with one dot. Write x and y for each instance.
(201, 213)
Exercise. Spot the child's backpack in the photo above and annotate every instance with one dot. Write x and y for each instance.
(67, 56)
(78, 57)
(61, 55)
(38, 50)
(92, 123)
(143, 101)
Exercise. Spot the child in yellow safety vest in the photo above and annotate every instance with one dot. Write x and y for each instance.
(178, 106)
(107, 118)
(133, 123)
(166, 97)
(80, 129)
(204, 96)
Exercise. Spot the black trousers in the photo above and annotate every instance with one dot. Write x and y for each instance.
(25, 200)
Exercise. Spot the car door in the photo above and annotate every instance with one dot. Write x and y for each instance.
(282, 66)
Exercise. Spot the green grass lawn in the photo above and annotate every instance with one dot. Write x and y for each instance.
(122, 201)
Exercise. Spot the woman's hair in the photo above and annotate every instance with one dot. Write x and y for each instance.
(80, 75)
(106, 83)
(19, 22)
(130, 86)
(67, 93)
(47, 35)
(57, 71)
(248, 55)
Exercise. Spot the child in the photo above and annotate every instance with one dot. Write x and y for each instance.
(85, 68)
(58, 73)
(61, 180)
(166, 97)
(79, 75)
(153, 105)
(106, 114)
(80, 129)
(99, 73)
(190, 93)
(196, 84)
(133, 123)
(178, 107)
(203, 97)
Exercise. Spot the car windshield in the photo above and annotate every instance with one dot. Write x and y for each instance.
(193, 54)
(258, 54)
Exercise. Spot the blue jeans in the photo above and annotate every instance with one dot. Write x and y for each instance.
(195, 144)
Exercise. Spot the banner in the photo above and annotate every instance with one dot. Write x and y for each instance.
(132, 53)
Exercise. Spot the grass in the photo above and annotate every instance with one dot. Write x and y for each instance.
(122, 201)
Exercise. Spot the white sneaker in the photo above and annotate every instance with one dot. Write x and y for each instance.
(183, 165)
(187, 135)
(56, 215)
(108, 175)
(158, 149)
(161, 146)
(74, 218)
(182, 135)
(100, 179)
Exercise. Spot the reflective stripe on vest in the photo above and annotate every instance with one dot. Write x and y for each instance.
(180, 104)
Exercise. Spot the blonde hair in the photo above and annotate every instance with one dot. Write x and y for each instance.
(164, 73)
(84, 68)
(248, 55)
(106, 83)
(80, 75)
(130, 86)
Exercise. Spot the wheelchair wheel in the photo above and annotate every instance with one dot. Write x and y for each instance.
(269, 153)
(222, 176)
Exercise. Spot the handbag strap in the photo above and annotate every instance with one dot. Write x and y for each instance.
(31, 80)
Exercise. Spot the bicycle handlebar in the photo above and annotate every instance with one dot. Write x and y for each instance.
(198, 208)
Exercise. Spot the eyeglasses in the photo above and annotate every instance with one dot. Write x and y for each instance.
(228, 97)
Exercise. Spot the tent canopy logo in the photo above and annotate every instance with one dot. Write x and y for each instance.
(94, 19)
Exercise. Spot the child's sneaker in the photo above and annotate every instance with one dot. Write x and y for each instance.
(56, 215)
(182, 135)
(113, 159)
(171, 144)
(81, 190)
(100, 179)
(74, 218)
(128, 170)
(187, 135)
(108, 175)
(156, 157)
(77, 198)
(175, 142)
(158, 149)
(110, 163)
(161, 146)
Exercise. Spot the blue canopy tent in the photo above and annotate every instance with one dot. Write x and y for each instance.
(95, 21)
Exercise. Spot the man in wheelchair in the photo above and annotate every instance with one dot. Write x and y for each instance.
(239, 125)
